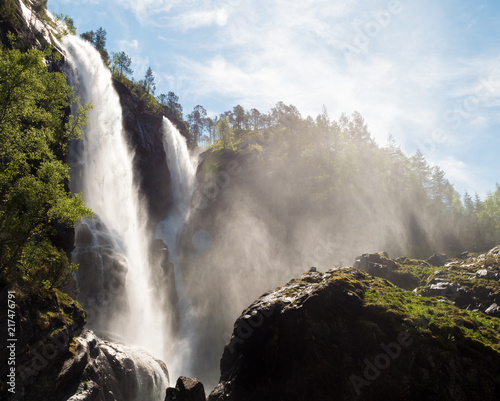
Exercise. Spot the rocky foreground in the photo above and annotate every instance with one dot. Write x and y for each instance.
(431, 333)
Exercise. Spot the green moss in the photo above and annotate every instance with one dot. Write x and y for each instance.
(436, 316)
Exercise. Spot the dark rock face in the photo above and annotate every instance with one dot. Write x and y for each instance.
(144, 132)
(186, 389)
(101, 274)
(317, 339)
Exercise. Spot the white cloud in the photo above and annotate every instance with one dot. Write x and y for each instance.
(197, 18)
(128, 45)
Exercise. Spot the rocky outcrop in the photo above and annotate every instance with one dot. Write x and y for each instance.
(186, 389)
(472, 283)
(338, 335)
(100, 370)
(379, 265)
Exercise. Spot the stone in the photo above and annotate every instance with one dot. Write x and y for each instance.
(493, 310)
(186, 389)
(316, 339)
(437, 260)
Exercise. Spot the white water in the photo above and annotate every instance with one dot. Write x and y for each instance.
(108, 189)
(182, 174)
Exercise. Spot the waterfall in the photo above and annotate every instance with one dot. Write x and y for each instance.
(182, 174)
(102, 169)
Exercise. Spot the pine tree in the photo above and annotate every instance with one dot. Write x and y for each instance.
(148, 83)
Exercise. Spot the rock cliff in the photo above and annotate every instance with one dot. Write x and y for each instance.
(144, 133)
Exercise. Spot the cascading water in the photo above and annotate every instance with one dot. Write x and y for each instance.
(105, 177)
(182, 174)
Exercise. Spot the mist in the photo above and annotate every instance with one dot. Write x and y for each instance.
(295, 195)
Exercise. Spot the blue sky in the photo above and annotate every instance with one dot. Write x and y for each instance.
(426, 72)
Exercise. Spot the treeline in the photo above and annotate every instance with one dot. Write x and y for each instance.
(337, 169)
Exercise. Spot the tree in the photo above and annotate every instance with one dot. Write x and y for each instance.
(121, 64)
(239, 119)
(358, 130)
(173, 104)
(489, 218)
(196, 120)
(34, 130)
(89, 37)
(225, 134)
(211, 126)
(421, 169)
(255, 119)
(148, 83)
(286, 116)
(98, 40)
(66, 20)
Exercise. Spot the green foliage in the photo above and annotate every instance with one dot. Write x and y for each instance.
(197, 120)
(121, 65)
(171, 100)
(148, 83)
(34, 130)
(225, 135)
(70, 24)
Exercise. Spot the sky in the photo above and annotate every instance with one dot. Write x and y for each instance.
(425, 72)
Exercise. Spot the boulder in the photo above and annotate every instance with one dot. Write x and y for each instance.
(186, 389)
(100, 370)
(367, 260)
(317, 339)
(379, 265)
(437, 260)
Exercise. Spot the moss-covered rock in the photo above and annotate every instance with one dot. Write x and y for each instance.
(345, 335)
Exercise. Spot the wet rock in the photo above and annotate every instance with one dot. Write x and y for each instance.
(103, 371)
